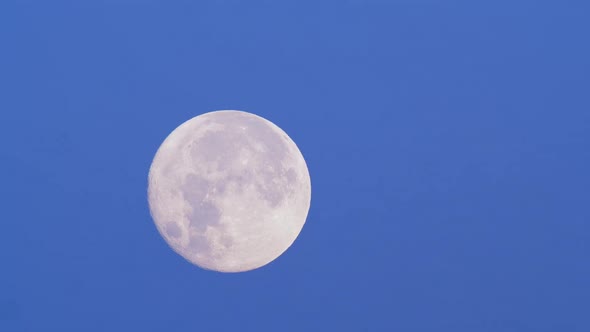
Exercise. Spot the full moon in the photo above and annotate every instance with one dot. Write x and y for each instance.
(229, 191)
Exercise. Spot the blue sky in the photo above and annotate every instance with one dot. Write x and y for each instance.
(447, 141)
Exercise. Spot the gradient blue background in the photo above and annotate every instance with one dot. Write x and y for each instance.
(448, 144)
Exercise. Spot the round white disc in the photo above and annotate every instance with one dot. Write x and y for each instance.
(229, 191)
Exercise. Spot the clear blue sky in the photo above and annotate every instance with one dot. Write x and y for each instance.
(448, 144)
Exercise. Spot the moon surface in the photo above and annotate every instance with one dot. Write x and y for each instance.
(229, 191)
